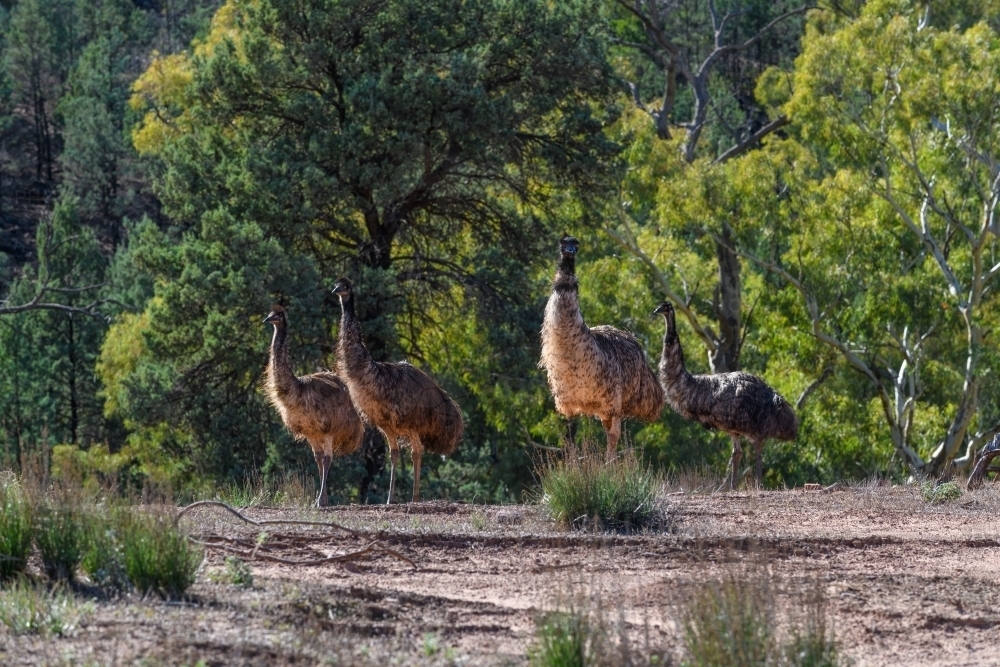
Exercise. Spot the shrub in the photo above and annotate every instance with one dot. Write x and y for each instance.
(157, 556)
(27, 608)
(15, 528)
(732, 623)
(583, 634)
(238, 572)
(60, 529)
(729, 623)
(940, 493)
(581, 490)
(103, 560)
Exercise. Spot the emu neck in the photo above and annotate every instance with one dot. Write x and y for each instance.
(279, 369)
(673, 373)
(565, 280)
(352, 355)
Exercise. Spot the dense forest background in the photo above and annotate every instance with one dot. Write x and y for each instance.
(814, 187)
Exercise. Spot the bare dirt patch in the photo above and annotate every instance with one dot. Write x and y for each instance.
(907, 582)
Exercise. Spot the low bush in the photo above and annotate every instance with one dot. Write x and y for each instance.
(581, 490)
(733, 623)
(27, 608)
(940, 493)
(157, 556)
(61, 530)
(103, 560)
(15, 527)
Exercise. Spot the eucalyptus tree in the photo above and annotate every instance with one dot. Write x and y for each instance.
(905, 110)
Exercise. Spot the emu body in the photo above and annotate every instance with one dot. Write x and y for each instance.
(738, 403)
(398, 399)
(316, 408)
(595, 371)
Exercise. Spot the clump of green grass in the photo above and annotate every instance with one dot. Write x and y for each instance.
(238, 573)
(581, 490)
(27, 608)
(732, 623)
(15, 528)
(940, 493)
(103, 560)
(729, 623)
(583, 633)
(60, 528)
(157, 556)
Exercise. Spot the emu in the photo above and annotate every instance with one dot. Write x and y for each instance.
(396, 398)
(738, 403)
(595, 371)
(316, 408)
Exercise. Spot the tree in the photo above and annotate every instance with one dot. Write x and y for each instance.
(907, 111)
(402, 142)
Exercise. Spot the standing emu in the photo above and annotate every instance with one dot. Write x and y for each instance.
(316, 408)
(737, 403)
(599, 371)
(396, 398)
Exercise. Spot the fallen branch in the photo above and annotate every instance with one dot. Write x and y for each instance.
(267, 522)
(340, 558)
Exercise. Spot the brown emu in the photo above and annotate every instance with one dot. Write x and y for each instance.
(316, 408)
(396, 398)
(595, 371)
(738, 403)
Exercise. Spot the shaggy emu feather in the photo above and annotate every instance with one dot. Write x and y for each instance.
(596, 371)
(316, 408)
(396, 398)
(738, 403)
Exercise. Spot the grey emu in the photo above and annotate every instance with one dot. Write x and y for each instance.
(596, 371)
(316, 408)
(738, 403)
(396, 398)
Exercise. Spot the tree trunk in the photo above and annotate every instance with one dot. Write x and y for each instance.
(725, 358)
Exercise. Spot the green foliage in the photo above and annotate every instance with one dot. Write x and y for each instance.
(157, 556)
(15, 527)
(238, 573)
(733, 623)
(61, 528)
(581, 490)
(933, 492)
(103, 560)
(33, 609)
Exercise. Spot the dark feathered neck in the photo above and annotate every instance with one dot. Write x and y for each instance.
(672, 366)
(352, 355)
(565, 279)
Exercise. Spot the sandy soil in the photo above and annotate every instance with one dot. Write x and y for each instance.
(907, 583)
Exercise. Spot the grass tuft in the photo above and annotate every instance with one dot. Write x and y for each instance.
(582, 491)
(583, 634)
(732, 623)
(940, 493)
(104, 560)
(61, 530)
(15, 528)
(157, 556)
(238, 573)
(27, 608)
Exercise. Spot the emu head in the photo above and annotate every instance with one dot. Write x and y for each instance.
(568, 246)
(664, 308)
(278, 316)
(343, 288)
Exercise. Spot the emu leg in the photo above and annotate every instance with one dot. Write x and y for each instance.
(734, 464)
(613, 429)
(758, 469)
(416, 453)
(393, 464)
(323, 463)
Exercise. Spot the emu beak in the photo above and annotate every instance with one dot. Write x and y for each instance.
(271, 318)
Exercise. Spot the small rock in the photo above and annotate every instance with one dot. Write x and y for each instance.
(509, 517)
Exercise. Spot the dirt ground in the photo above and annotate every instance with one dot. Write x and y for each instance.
(906, 582)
